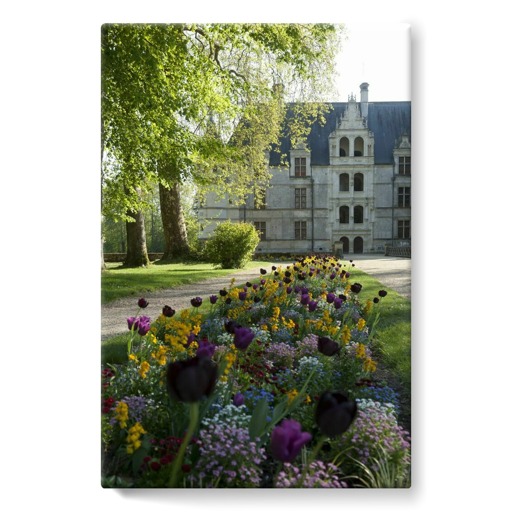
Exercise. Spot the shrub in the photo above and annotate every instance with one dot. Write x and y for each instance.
(232, 245)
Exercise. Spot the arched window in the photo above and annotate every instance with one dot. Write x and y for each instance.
(358, 146)
(344, 182)
(344, 146)
(358, 182)
(346, 244)
(358, 214)
(358, 245)
(344, 214)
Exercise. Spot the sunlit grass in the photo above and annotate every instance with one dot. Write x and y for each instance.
(118, 282)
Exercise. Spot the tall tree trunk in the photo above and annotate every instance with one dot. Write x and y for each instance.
(136, 251)
(173, 221)
(103, 265)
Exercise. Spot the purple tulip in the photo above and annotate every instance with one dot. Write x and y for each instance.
(287, 440)
(205, 349)
(242, 295)
(223, 293)
(263, 271)
(243, 337)
(330, 297)
(337, 303)
(289, 290)
(196, 301)
(213, 299)
(382, 293)
(304, 300)
(168, 311)
(238, 399)
(312, 305)
(142, 303)
(144, 324)
(133, 322)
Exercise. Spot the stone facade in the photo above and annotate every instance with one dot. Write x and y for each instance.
(346, 191)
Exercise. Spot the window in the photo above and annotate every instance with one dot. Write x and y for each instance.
(344, 182)
(404, 197)
(358, 214)
(300, 198)
(358, 146)
(404, 165)
(300, 166)
(300, 230)
(344, 146)
(404, 229)
(343, 214)
(358, 182)
(261, 227)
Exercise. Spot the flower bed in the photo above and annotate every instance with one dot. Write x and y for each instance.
(271, 385)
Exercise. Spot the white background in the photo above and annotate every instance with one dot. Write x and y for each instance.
(50, 92)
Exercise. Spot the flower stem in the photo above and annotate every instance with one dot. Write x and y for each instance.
(311, 458)
(192, 424)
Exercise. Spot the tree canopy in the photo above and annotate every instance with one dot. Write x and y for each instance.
(203, 102)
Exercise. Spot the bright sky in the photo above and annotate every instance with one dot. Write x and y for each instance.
(379, 54)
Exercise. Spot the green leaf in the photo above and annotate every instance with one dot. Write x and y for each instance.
(259, 419)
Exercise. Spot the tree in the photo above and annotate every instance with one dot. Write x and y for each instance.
(200, 102)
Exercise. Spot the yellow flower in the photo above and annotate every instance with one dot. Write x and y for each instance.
(361, 324)
(360, 351)
(122, 413)
(144, 369)
(369, 365)
(160, 355)
(291, 395)
(192, 348)
(133, 357)
(133, 438)
(345, 334)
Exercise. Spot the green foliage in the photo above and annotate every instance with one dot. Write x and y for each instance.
(232, 245)
(196, 101)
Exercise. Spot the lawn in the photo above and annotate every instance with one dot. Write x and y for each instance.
(118, 282)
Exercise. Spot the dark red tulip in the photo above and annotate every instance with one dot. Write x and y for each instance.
(356, 288)
(192, 379)
(327, 347)
(168, 311)
(334, 413)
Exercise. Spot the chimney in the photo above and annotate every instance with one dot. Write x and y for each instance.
(364, 99)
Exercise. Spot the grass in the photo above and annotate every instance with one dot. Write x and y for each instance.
(393, 340)
(118, 282)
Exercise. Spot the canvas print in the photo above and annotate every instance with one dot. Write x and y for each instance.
(256, 256)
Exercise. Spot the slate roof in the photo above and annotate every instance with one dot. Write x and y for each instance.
(388, 120)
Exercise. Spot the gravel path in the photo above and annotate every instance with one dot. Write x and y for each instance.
(394, 273)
